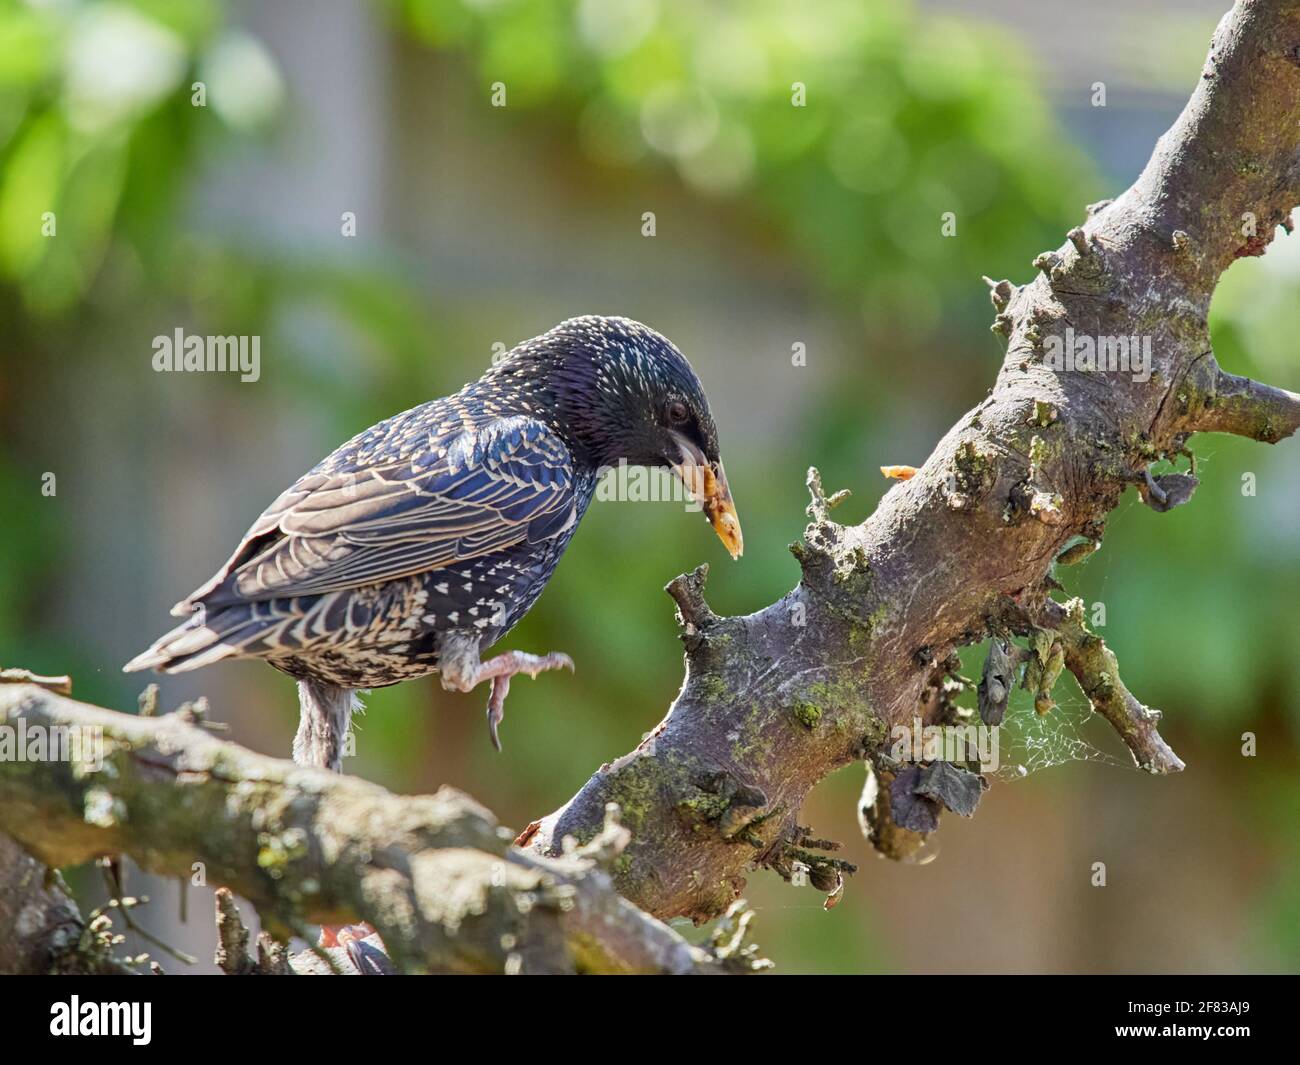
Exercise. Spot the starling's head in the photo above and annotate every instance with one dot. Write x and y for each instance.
(623, 392)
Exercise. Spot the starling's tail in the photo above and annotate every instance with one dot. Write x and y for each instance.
(190, 646)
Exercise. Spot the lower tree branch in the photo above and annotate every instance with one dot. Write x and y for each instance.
(434, 874)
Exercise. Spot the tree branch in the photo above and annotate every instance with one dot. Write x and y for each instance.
(434, 874)
(1243, 407)
(1095, 667)
(774, 701)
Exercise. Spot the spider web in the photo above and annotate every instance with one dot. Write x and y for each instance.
(1029, 742)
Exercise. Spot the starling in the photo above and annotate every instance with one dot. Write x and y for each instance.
(423, 540)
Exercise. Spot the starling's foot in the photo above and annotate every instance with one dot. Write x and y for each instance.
(365, 948)
(462, 671)
(510, 663)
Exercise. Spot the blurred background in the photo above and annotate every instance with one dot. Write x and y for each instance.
(201, 159)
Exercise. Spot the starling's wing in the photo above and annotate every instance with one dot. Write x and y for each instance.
(465, 493)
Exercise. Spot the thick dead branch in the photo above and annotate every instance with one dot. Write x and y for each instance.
(775, 701)
(434, 874)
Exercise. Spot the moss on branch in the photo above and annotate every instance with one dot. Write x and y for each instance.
(434, 874)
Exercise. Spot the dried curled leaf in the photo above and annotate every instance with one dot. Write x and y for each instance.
(1171, 490)
(956, 788)
(1076, 553)
(909, 810)
(996, 682)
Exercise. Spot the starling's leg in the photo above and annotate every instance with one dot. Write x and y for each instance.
(326, 715)
(461, 670)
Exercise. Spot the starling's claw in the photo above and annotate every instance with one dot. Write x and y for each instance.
(554, 660)
(461, 671)
(525, 663)
(496, 708)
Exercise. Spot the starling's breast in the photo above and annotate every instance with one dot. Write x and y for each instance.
(496, 591)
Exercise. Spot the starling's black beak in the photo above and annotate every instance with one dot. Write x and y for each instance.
(706, 482)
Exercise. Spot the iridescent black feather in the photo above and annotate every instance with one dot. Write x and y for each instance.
(446, 519)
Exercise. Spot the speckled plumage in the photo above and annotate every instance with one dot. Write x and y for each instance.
(443, 523)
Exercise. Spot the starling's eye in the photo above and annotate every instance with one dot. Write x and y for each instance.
(677, 412)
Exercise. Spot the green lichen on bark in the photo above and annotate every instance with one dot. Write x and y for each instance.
(807, 714)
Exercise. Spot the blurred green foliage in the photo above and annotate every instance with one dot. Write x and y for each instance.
(846, 135)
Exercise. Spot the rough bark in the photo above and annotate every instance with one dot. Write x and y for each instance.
(434, 874)
(43, 930)
(775, 701)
